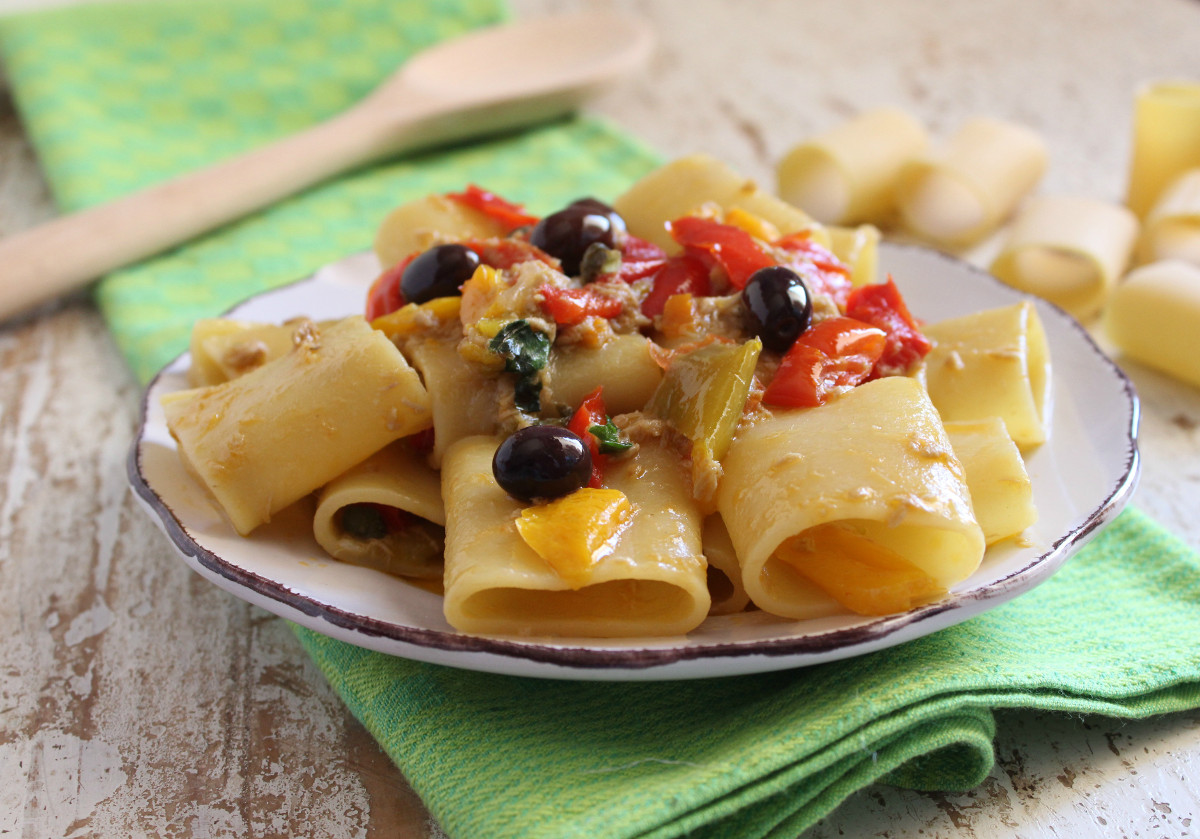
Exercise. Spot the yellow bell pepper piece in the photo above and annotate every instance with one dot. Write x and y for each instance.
(756, 226)
(417, 317)
(864, 576)
(576, 531)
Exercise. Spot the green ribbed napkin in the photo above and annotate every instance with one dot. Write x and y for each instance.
(116, 97)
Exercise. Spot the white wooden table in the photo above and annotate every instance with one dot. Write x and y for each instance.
(136, 699)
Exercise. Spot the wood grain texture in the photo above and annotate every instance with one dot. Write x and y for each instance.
(138, 700)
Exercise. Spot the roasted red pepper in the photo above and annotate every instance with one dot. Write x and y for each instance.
(591, 412)
(506, 212)
(678, 275)
(733, 249)
(640, 259)
(385, 296)
(881, 305)
(836, 353)
(569, 306)
(821, 269)
(505, 253)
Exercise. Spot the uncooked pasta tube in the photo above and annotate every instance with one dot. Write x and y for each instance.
(1166, 140)
(957, 197)
(1154, 317)
(848, 174)
(1172, 229)
(1068, 250)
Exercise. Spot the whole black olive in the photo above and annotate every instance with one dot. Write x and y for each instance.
(542, 461)
(779, 304)
(438, 272)
(568, 233)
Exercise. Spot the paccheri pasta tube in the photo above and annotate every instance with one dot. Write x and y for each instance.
(1166, 140)
(848, 174)
(961, 194)
(684, 185)
(649, 581)
(385, 513)
(414, 226)
(341, 394)
(1154, 318)
(724, 573)
(863, 488)
(993, 363)
(1068, 250)
(224, 349)
(1172, 228)
(1001, 493)
(858, 247)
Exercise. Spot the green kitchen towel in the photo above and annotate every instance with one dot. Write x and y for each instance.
(116, 97)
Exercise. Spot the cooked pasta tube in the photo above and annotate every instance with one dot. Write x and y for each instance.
(858, 248)
(866, 483)
(1154, 317)
(1001, 493)
(416, 225)
(1068, 250)
(356, 518)
(960, 195)
(651, 582)
(622, 364)
(848, 174)
(1166, 140)
(684, 185)
(263, 441)
(224, 349)
(1172, 229)
(724, 573)
(462, 398)
(993, 363)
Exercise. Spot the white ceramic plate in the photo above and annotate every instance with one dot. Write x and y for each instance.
(1082, 477)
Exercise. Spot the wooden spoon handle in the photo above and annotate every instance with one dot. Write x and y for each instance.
(60, 255)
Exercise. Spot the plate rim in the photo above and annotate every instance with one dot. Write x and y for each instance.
(575, 660)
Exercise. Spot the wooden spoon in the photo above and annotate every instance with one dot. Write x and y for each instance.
(491, 80)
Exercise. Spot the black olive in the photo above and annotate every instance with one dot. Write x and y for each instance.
(779, 304)
(542, 461)
(568, 233)
(438, 272)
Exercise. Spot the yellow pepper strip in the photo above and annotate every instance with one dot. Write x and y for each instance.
(678, 317)
(576, 531)
(757, 227)
(417, 317)
(479, 293)
(862, 575)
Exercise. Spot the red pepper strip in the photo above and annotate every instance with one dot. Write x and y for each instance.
(679, 275)
(507, 213)
(733, 249)
(640, 259)
(385, 296)
(569, 306)
(881, 305)
(591, 412)
(822, 271)
(836, 353)
(505, 253)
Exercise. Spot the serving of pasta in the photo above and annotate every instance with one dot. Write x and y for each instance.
(686, 433)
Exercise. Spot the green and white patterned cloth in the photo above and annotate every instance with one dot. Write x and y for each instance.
(118, 97)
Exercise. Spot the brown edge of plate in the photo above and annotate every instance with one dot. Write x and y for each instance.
(589, 658)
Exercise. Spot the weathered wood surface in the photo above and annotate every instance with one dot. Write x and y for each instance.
(138, 700)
